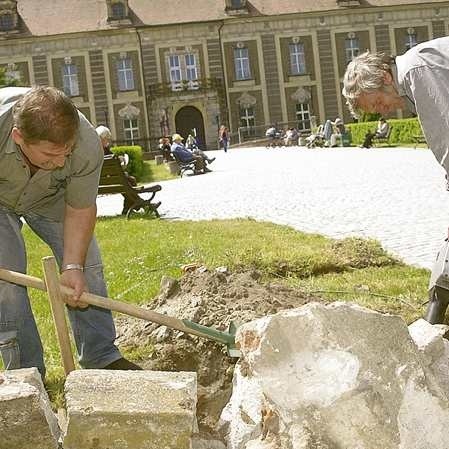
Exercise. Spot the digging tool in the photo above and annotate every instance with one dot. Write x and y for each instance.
(187, 326)
(58, 312)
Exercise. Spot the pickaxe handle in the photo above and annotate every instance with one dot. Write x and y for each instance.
(129, 309)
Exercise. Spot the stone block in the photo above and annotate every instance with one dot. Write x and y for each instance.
(428, 337)
(130, 410)
(26, 418)
(331, 376)
(159, 159)
(173, 167)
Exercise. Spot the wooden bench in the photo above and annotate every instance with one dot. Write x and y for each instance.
(419, 138)
(184, 166)
(386, 139)
(114, 180)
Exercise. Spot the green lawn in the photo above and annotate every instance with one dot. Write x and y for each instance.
(155, 173)
(139, 251)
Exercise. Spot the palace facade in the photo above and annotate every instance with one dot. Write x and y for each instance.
(146, 68)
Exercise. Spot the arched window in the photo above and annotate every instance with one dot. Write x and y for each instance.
(118, 10)
(6, 22)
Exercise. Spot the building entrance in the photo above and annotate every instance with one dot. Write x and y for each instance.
(189, 120)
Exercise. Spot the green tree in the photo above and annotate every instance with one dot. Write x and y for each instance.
(5, 80)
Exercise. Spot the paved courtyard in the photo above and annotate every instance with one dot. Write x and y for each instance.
(396, 196)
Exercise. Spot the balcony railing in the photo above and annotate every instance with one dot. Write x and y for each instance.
(184, 87)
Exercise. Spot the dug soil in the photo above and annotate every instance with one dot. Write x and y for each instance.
(211, 298)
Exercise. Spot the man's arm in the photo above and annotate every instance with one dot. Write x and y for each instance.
(79, 226)
(428, 88)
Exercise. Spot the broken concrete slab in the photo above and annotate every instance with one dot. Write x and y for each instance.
(429, 338)
(130, 409)
(335, 376)
(26, 418)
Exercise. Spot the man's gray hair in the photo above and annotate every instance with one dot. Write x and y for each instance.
(104, 132)
(365, 73)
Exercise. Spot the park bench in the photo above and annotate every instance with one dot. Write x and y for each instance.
(184, 166)
(419, 138)
(114, 180)
(385, 140)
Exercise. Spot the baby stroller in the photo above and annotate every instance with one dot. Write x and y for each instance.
(316, 139)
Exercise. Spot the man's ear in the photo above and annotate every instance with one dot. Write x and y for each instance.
(17, 136)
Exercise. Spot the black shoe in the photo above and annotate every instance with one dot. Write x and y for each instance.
(210, 160)
(123, 364)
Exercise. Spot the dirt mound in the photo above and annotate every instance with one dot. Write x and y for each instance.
(212, 299)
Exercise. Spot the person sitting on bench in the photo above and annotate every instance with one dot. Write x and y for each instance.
(180, 152)
(106, 142)
(193, 146)
(165, 147)
(381, 132)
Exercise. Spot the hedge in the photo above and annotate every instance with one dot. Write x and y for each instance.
(135, 165)
(402, 131)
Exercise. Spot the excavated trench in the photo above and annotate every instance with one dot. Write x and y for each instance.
(211, 298)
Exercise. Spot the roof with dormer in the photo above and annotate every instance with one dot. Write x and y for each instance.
(52, 17)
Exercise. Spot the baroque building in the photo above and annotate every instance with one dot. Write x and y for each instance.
(150, 68)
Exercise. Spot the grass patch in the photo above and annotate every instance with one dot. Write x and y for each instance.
(139, 251)
(154, 173)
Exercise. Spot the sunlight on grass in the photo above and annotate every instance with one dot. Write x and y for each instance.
(155, 173)
(138, 252)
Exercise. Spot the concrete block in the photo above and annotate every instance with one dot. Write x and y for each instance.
(26, 418)
(173, 167)
(335, 376)
(130, 409)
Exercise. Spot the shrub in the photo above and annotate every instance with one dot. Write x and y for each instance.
(135, 165)
(402, 131)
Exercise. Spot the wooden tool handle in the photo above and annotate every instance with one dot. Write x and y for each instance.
(100, 301)
(58, 312)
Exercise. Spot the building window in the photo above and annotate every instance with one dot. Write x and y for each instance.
(411, 39)
(303, 116)
(237, 4)
(241, 62)
(70, 80)
(125, 74)
(118, 11)
(13, 74)
(175, 68)
(131, 129)
(191, 70)
(352, 49)
(297, 59)
(183, 67)
(6, 22)
(247, 122)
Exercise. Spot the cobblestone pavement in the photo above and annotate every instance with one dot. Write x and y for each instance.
(396, 196)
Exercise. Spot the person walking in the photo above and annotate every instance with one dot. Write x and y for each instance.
(51, 162)
(223, 138)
